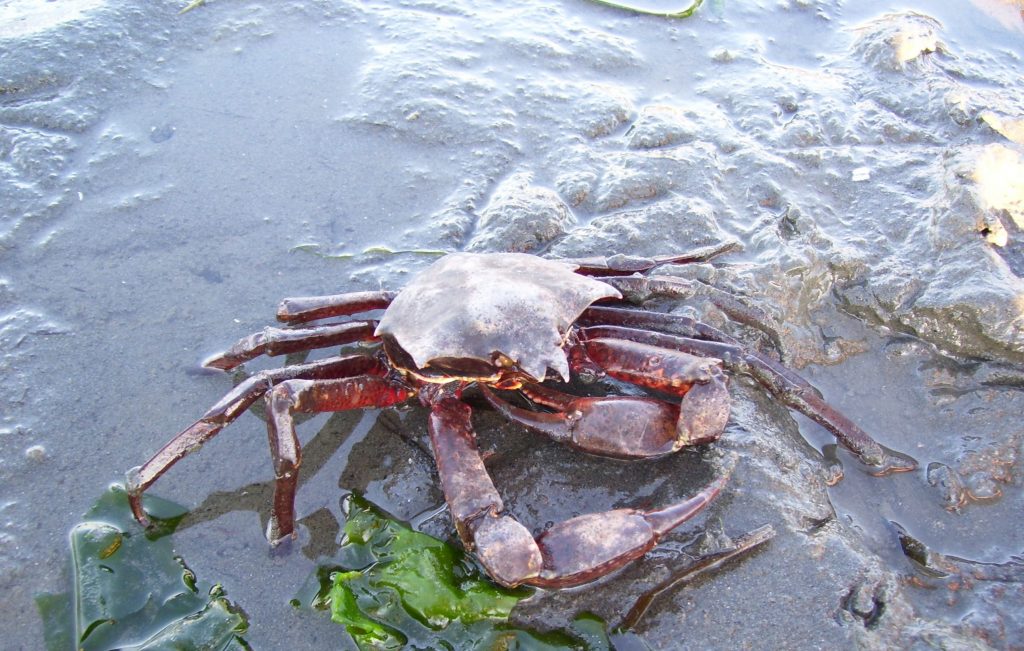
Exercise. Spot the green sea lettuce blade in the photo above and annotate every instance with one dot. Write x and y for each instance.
(130, 590)
(397, 588)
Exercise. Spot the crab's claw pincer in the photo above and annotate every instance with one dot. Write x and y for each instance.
(624, 427)
(590, 546)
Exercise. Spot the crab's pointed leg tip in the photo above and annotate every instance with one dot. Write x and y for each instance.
(281, 547)
(217, 362)
(894, 462)
(131, 480)
(133, 487)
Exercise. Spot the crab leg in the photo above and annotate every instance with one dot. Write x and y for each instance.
(676, 324)
(638, 289)
(309, 308)
(277, 341)
(304, 395)
(568, 554)
(629, 264)
(785, 385)
(230, 407)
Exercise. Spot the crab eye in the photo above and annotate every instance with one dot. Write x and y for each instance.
(502, 361)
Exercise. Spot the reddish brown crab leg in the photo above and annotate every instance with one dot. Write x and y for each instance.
(230, 407)
(797, 395)
(291, 396)
(310, 308)
(633, 427)
(277, 341)
(638, 289)
(676, 324)
(570, 553)
(629, 264)
(684, 326)
(505, 548)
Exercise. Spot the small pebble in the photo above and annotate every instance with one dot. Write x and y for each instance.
(35, 453)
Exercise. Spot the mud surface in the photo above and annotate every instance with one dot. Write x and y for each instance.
(167, 178)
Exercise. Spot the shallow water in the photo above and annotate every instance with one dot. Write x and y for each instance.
(167, 179)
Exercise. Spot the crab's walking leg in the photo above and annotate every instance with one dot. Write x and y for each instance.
(570, 553)
(638, 289)
(310, 308)
(230, 407)
(627, 426)
(629, 264)
(785, 385)
(764, 368)
(278, 341)
(303, 395)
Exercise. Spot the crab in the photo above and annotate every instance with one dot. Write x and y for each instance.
(507, 324)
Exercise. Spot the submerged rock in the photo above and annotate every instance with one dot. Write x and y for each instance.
(661, 125)
(521, 217)
(682, 224)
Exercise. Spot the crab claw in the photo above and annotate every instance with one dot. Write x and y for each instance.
(569, 553)
(592, 545)
(620, 426)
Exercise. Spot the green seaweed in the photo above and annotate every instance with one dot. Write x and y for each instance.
(639, 8)
(318, 250)
(393, 588)
(131, 591)
(194, 4)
